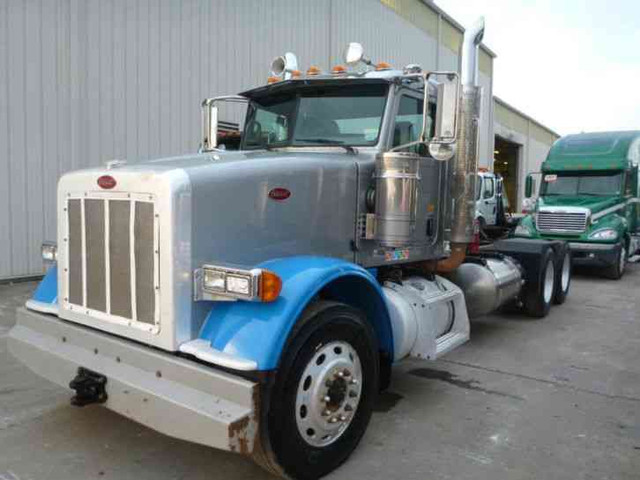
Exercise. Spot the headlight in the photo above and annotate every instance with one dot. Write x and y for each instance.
(522, 231)
(604, 234)
(222, 283)
(49, 252)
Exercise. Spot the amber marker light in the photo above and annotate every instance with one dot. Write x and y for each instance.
(272, 79)
(270, 286)
(383, 66)
(296, 73)
(338, 69)
(313, 70)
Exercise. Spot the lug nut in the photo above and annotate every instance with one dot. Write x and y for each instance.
(326, 413)
(354, 381)
(343, 418)
(333, 420)
(327, 399)
(341, 374)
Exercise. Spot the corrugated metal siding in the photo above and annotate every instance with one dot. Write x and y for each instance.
(85, 81)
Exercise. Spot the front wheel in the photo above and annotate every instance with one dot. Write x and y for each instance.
(616, 271)
(323, 396)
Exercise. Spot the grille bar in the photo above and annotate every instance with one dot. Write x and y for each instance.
(113, 258)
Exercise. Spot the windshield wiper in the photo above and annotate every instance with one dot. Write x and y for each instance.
(326, 141)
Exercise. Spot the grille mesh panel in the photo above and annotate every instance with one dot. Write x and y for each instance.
(96, 280)
(119, 257)
(144, 254)
(74, 211)
(119, 234)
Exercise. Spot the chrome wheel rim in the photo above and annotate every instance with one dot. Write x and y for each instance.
(566, 272)
(623, 258)
(548, 282)
(328, 394)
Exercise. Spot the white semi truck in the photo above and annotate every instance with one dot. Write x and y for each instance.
(255, 300)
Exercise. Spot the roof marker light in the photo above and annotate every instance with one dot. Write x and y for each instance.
(339, 69)
(272, 79)
(383, 66)
(313, 70)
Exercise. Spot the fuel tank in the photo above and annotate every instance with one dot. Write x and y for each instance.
(488, 283)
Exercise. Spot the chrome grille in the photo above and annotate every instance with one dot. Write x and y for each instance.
(561, 222)
(113, 258)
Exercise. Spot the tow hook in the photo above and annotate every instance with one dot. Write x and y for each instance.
(89, 387)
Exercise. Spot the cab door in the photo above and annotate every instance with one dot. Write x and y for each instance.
(488, 200)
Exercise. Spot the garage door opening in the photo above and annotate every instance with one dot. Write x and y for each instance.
(506, 156)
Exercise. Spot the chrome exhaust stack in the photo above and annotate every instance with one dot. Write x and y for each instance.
(465, 162)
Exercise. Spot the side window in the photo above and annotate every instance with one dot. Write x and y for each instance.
(408, 121)
(489, 188)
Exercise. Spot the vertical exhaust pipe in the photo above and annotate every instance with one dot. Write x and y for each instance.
(465, 163)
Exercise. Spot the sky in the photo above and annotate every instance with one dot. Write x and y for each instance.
(572, 65)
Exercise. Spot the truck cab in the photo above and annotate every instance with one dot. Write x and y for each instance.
(254, 300)
(589, 197)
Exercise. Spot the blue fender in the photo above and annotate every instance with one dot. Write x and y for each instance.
(47, 290)
(259, 331)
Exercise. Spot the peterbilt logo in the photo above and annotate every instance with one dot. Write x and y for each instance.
(107, 182)
(279, 194)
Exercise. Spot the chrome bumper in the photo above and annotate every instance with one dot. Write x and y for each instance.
(172, 395)
(592, 247)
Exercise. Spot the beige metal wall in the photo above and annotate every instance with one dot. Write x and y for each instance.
(85, 81)
(534, 139)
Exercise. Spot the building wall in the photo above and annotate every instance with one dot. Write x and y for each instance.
(85, 81)
(534, 139)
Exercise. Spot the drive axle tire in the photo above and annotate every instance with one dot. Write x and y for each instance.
(324, 391)
(538, 297)
(616, 271)
(563, 277)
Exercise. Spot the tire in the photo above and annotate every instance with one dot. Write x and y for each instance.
(564, 269)
(323, 395)
(538, 298)
(616, 271)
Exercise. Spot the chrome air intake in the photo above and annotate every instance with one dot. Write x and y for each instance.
(397, 176)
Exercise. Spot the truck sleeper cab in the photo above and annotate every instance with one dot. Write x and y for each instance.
(255, 300)
(589, 197)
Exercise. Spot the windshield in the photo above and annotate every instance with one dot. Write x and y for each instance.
(334, 115)
(598, 185)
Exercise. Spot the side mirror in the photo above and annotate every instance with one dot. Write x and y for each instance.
(528, 186)
(210, 120)
(441, 145)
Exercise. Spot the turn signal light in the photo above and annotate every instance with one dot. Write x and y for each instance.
(270, 286)
(339, 69)
(383, 66)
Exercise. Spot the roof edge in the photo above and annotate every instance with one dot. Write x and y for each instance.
(524, 115)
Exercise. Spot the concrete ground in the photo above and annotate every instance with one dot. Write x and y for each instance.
(525, 399)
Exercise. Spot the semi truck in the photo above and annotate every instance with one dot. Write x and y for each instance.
(589, 197)
(254, 300)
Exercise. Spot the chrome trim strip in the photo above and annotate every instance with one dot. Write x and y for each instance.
(42, 307)
(609, 210)
(202, 350)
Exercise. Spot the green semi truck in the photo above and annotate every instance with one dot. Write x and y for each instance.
(589, 197)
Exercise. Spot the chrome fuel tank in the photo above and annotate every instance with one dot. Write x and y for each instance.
(489, 285)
